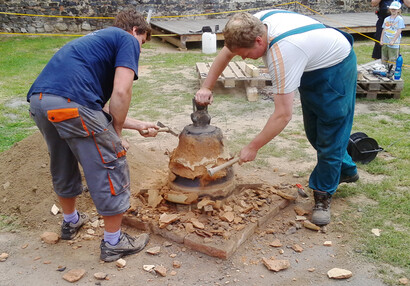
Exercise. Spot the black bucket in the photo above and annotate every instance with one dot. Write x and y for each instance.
(362, 148)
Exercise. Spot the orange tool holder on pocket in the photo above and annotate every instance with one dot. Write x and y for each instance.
(58, 115)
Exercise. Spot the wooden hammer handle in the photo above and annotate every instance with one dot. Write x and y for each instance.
(162, 129)
(212, 171)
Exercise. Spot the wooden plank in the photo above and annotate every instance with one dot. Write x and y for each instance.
(237, 71)
(251, 93)
(202, 69)
(176, 41)
(377, 94)
(229, 77)
(252, 70)
(242, 66)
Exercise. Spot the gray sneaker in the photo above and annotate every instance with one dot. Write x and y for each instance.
(69, 230)
(126, 246)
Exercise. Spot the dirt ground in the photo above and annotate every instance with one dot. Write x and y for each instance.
(27, 197)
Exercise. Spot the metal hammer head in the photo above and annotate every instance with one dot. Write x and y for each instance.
(169, 129)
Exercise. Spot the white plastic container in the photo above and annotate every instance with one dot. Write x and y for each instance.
(208, 43)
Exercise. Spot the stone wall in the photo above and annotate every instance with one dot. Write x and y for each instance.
(11, 23)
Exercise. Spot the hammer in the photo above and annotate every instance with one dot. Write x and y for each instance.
(162, 128)
(212, 171)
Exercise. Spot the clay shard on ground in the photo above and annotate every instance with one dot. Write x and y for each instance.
(181, 197)
(276, 265)
(74, 275)
(161, 270)
(310, 225)
(276, 243)
(50, 237)
(338, 273)
(120, 263)
(154, 250)
(100, 275)
(4, 256)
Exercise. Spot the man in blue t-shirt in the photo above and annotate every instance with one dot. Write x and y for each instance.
(80, 103)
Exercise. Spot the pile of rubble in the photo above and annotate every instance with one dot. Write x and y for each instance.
(211, 226)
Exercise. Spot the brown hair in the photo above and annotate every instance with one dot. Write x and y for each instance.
(242, 30)
(130, 18)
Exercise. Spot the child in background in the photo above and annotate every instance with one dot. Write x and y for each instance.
(391, 35)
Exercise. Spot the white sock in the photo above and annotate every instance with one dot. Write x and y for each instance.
(112, 237)
(73, 217)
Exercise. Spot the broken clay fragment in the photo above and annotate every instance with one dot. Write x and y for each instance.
(338, 273)
(4, 256)
(300, 211)
(100, 275)
(166, 219)
(297, 248)
(311, 225)
(196, 223)
(120, 263)
(276, 265)
(161, 270)
(50, 237)
(205, 202)
(154, 250)
(74, 275)
(181, 198)
(276, 243)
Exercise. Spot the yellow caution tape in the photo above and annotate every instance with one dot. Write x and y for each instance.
(176, 16)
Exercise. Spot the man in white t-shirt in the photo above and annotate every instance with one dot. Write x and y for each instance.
(300, 53)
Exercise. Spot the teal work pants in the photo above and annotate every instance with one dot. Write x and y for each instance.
(328, 98)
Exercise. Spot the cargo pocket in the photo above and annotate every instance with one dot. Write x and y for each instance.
(108, 145)
(118, 176)
(68, 122)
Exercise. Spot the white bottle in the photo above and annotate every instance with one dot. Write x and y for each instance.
(208, 43)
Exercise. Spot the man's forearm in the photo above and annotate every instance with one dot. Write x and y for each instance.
(121, 97)
(118, 109)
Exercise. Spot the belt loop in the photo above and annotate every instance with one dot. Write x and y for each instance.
(41, 95)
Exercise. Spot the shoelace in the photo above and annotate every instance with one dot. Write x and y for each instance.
(130, 239)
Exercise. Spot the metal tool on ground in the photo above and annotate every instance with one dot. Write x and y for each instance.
(162, 128)
(212, 171)
(301, 191)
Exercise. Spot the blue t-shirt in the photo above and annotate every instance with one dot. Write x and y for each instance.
(83, 70)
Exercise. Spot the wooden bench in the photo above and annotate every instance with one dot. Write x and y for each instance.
(236, 72)
(371, 86)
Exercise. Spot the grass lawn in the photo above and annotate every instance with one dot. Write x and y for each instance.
(24, 57)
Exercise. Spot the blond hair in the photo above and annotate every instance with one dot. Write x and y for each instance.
(130, 18)
(241, 31)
